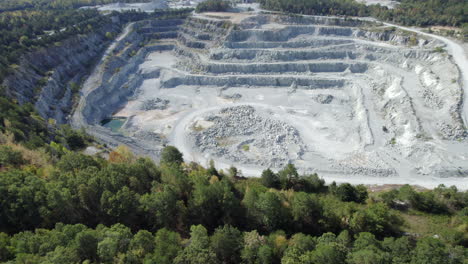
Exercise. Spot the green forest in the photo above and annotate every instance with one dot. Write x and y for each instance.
(408, 12)
(213, 6)
(28, 25)
(26, 31)
(14, 5)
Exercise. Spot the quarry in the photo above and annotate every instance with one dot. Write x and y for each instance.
(352, 100)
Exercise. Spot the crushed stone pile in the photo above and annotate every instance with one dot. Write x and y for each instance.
(243, 135)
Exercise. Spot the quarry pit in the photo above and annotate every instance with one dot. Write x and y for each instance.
(352, 100)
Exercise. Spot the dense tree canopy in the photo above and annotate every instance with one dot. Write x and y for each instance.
(12, 5)
(408, 12)
(213, 6)
(87, 208)
(28, 30)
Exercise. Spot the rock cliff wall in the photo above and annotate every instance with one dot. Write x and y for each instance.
(47, 77)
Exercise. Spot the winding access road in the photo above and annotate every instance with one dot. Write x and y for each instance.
(459, 57)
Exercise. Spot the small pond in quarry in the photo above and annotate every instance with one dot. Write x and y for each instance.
(114, 123)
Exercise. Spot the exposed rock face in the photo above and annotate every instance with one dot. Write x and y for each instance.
(118, 81)
(121, 74)
(116, 78)
(61, 67)
(278, 68)
(277, 81)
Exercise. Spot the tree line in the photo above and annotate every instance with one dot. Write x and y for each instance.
(15, 5)
(213, 6)
(127, 209)
(26, 31)
(408, 12)
(226, 244)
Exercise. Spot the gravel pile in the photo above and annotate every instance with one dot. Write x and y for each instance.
(242, 134)
(154, 104)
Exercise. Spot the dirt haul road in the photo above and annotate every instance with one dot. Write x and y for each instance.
(458, 55)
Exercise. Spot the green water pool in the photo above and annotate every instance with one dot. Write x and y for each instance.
(114, 123)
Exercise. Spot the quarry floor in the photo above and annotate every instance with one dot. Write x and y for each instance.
(190, 105)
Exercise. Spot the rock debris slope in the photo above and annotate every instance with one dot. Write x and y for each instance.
(353, 100)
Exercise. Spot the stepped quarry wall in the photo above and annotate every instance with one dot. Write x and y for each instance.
(352, 100)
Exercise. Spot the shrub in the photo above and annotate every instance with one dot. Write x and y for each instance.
(10, 157)
(171, 154)
(349, 193)
(270, 179)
